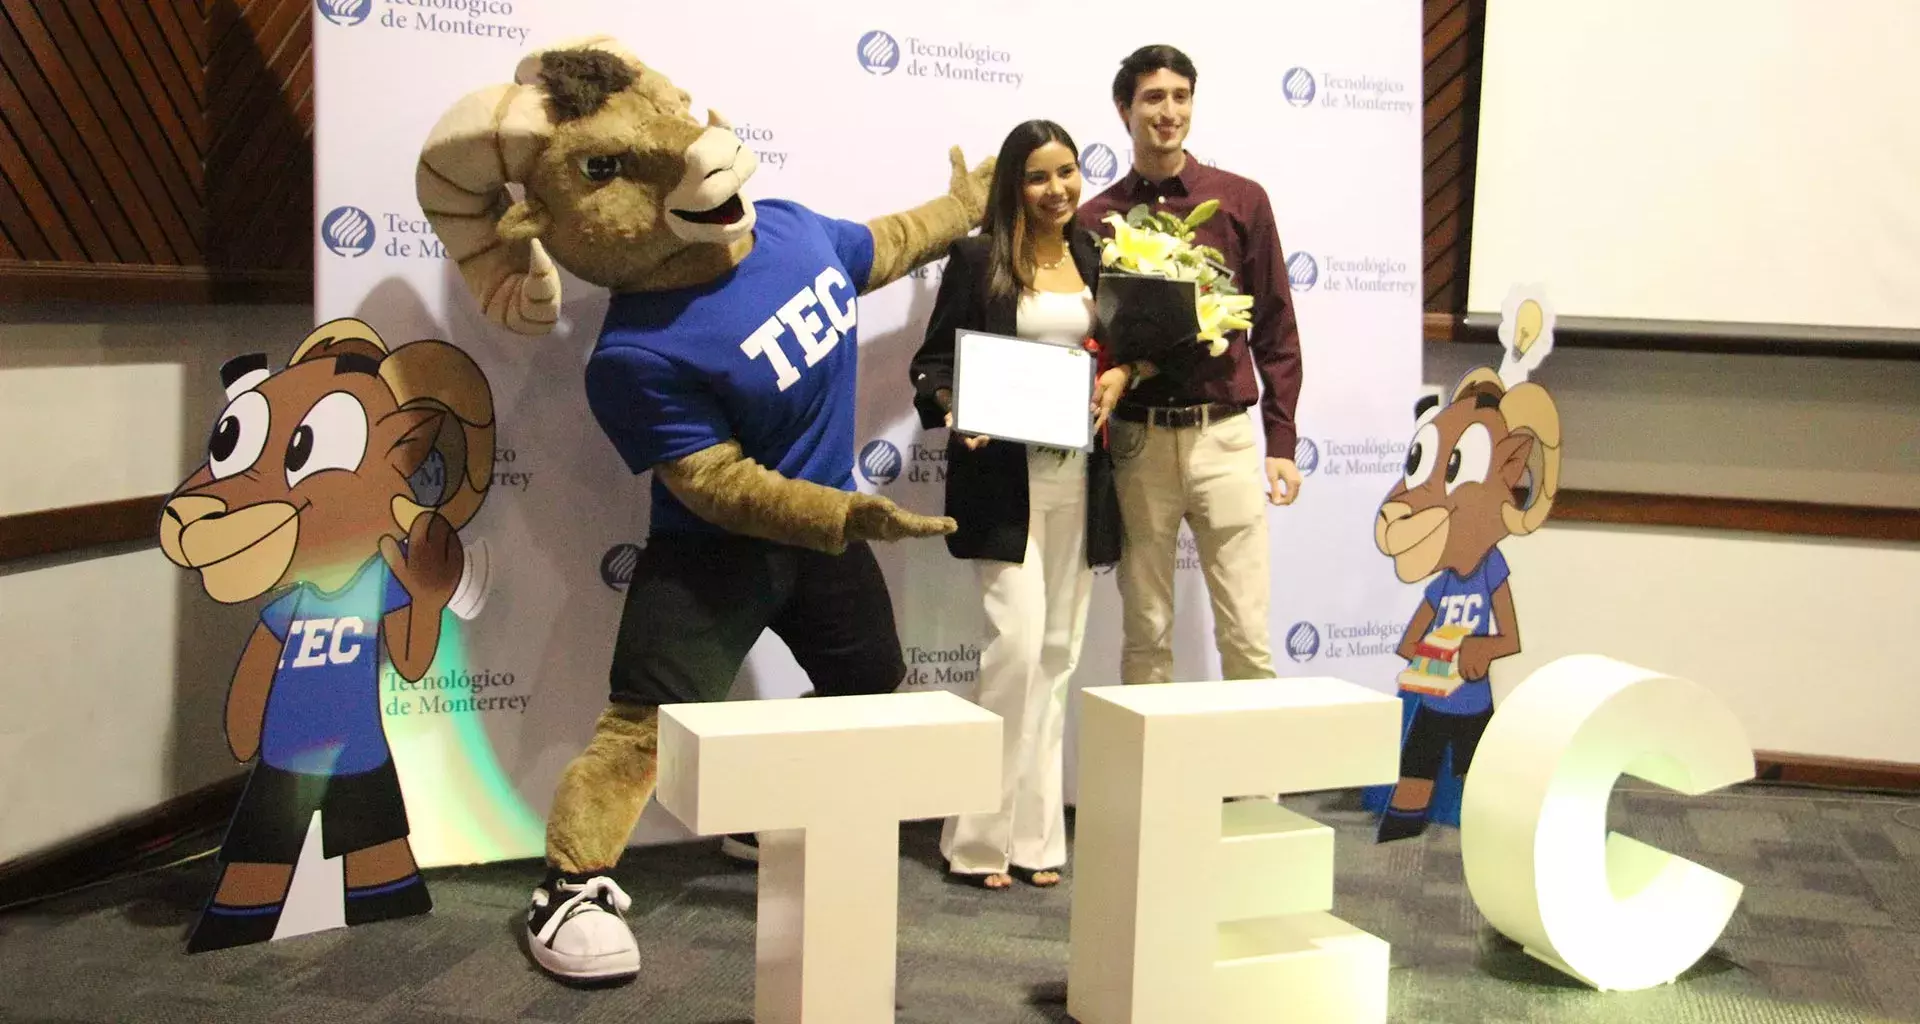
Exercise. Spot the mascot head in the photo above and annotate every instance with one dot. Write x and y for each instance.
(619, 184)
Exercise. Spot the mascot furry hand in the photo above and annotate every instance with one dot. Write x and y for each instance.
(726, 367)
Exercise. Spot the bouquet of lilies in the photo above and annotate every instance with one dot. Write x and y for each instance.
(1160, 244)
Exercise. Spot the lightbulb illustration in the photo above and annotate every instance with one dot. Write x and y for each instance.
(1526, 326)
(1526, 331)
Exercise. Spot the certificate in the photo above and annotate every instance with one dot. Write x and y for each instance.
(1018, 389)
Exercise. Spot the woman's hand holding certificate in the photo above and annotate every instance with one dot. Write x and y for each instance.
(1035, 392)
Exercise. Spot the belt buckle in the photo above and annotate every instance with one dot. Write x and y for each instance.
(1178, 417)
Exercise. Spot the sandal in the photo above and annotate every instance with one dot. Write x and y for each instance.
(1032, 877)
(979, 881)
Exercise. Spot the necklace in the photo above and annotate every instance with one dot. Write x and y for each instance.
(1055, 265)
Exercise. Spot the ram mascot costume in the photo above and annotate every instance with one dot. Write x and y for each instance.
(725, 366)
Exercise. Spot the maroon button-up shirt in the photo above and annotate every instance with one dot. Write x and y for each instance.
(1243, 230)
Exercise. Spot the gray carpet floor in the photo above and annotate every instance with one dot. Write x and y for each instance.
(1828, 930)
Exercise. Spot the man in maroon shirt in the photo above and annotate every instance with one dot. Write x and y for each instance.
(1183, 438)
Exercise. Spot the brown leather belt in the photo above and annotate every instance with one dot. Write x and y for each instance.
(1177, 416)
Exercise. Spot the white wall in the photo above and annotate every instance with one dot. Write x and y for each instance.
(114, 680)
(1841, 431)
(1802, 637)
(1702, 160)
(1805, 637)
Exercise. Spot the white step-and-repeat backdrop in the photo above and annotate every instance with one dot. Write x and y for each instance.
(852, 107)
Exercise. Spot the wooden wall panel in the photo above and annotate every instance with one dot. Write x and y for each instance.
(66, 78)
(69, 201)
(31, 221)
(1454, 32)
(155, 150)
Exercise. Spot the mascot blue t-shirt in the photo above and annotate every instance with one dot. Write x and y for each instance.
(766, 355)
(323, 711)
(1467, 601)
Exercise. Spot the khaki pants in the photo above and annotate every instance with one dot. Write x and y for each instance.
(1036, 613)
(1212, 476)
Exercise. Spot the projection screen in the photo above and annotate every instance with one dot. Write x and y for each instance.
(1735, 168)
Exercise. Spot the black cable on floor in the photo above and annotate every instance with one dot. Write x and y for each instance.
(117, 877)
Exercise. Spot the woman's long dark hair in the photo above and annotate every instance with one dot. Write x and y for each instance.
(1004, 204)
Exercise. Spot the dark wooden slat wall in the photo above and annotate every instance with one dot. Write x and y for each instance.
(64, 76)
(31, 221)
(1454, 31)
(184, 83)
(64, 198)
(258, 136)
(156, 150)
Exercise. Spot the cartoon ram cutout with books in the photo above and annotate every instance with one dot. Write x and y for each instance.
(1480, 468)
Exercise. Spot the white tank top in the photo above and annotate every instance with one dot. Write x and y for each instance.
(1062, 317)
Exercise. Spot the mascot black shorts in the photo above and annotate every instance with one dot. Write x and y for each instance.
(1432, 732)
(356, 812)
(698, 603)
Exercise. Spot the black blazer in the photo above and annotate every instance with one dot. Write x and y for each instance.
(987, 488)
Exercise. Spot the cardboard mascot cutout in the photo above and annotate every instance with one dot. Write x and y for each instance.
(725, 367)
(307, 492)
(1482, 466)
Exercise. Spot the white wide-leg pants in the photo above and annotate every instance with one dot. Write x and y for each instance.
(1036, 613)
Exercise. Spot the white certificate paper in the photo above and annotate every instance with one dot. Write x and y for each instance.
(1017, 389)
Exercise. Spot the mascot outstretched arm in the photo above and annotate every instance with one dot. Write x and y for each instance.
(726, 368)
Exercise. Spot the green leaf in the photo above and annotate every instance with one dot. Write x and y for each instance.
(1138, 216)
(1203, 213)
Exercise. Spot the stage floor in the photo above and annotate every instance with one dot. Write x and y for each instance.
(1828, 931)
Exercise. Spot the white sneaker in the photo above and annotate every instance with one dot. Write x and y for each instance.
(575, 931)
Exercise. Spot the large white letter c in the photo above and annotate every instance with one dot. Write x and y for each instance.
(1609, 910)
